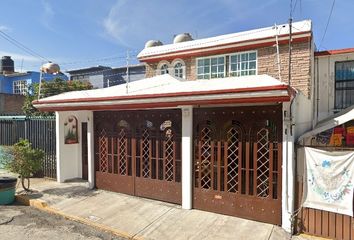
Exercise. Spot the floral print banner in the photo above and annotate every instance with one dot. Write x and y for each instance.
(329, 180)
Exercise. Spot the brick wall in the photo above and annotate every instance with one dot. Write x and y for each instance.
(11, 103)
(300, 65)
(267, 64)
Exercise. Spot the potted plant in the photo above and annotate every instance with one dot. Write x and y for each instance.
(23, 160)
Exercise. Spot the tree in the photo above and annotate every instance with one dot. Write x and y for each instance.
(50, 88)
(24, 160)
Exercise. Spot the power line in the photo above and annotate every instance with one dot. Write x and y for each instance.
(21, 46)
(329, 19)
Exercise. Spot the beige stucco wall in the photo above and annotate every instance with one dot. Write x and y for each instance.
(325, 78)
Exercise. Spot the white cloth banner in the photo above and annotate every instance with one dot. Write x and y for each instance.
(329, 179)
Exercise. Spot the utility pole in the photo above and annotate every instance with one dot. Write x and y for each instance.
(128, 77)
(40, 81)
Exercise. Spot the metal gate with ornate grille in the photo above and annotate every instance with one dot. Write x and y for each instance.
(139, 153)
(237, 161)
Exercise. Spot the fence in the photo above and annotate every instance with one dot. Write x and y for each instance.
(40, 131)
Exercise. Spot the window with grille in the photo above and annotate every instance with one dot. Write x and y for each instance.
(344, 84)
(243, 64)
(179, 70)
(20, 87)
(213, 67)
(237, 64)
(164, 69)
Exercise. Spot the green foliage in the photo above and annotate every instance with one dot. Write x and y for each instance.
(22, 159)
(50, 88)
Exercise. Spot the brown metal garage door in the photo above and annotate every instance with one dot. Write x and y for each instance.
(237, 161)
(139, 153)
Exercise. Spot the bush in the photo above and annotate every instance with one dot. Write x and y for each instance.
(22, 159)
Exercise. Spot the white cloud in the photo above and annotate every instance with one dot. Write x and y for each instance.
(131, 23)
(5, 28)
(48, 15)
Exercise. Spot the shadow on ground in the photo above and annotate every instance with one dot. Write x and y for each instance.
(72, 191)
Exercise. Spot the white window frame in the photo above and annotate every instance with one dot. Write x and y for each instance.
(161, 64)
(174, 63)
(210, 57)
(240, 70)
(20, 87)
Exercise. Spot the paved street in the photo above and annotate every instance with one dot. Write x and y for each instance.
(22, 222)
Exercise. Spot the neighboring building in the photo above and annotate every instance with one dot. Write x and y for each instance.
(102, 76)
(334, 76)
(12, 82)
(211, 127)
(333, 130)
(11, 103)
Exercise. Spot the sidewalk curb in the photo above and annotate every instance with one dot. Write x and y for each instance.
(43, 206)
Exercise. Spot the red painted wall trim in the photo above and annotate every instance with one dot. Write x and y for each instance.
(334, 52)
(179, 94)
(182, 53)
(170, 104)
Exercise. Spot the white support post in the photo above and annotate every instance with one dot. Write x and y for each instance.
(288, 176)
(90, 151)
(187, 156)
(58, 148)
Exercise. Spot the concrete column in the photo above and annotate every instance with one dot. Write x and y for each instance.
(187, 157)
(288, 169)
(58, 137)
(90, 151)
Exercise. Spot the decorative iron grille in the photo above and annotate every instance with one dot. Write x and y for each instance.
(122, 148)
(232, 160)
(263, 163)
(205, 158)
(103, 151)
(145, 153)
(169, 155)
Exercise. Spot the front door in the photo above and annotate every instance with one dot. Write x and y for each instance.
(139, 153)
(237, 161)
(84, 151)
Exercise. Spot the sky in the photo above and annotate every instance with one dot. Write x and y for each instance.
(84, 33)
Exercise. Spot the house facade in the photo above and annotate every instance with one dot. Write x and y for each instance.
(332, 132)
(12, 82)
(212, 125)
(102, 76)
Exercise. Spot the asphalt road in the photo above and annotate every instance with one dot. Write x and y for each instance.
(22, 222)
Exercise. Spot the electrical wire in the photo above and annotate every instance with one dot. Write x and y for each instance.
(329, 19)
(21, 46)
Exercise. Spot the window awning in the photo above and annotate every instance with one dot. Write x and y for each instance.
(335, 120)
(165, 91)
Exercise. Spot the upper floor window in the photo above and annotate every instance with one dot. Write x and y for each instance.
(178, 69)
(20, 87)
(242, 64)
(344, 84)
(164, 69)
(213, 67)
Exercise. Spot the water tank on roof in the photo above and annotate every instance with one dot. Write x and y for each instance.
(7, 65)
(153, 43)
(51, 68)
(183, 37)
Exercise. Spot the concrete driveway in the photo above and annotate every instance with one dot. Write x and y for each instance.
(140, 218)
